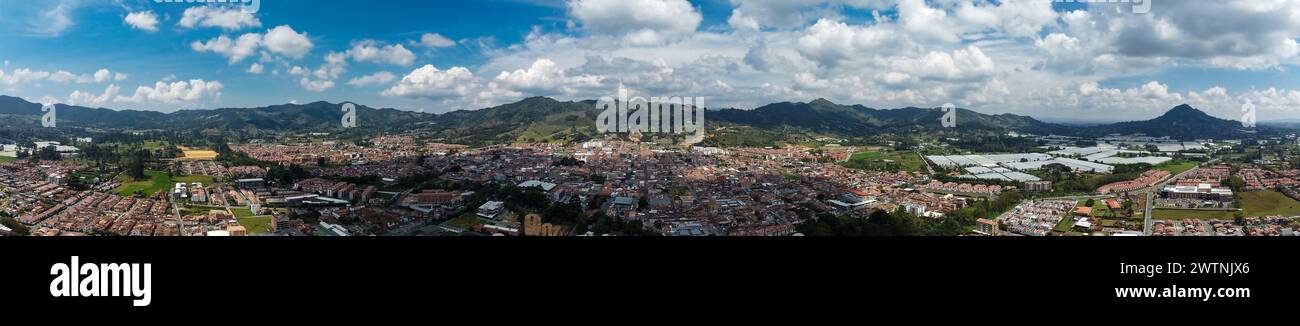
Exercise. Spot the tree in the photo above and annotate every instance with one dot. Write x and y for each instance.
(48, 153)
(1237, 183)
(135, 168)
(1091, 202)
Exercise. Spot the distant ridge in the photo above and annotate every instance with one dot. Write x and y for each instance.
(547, 119)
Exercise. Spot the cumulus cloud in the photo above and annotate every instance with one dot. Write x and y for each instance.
(143, 20)
(27, 76)
(83, 98)
(234, 50)
(639, 22)
(227, 18)
(256, 68)
(379, 78)
(22, 76)
(432, 83)
(545, 78)
(787, 14)
(372, 51)
(175, 92)
(102, 75)
(1239, 34)
(322, 78)
(831, 42)
(433, 40)
(281, 40)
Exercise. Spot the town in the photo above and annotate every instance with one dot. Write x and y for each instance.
(404, 185)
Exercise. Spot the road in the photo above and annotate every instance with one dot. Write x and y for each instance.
(179, 223)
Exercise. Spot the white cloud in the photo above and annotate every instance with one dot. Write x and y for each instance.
(961, 65)
(283, 40)
(434, 40)
(255, 68)
(741, 22)
(55, 21)
(430, 82)
(544, 78)
(143, 20)
(371, 51)
(830, 43)
(62, 76)
(27, 76)
(316, 85)
(227, 18)
(323, 77)
(82, 98)
(103, 75)
(788, 14)
(235, 50)
(639, 22)
(379, 78)
(175, 92)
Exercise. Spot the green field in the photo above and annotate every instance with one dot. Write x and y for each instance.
(880, 161)
(205, 180)
(1176, 166)
(153, 145)
(1254, 204)
(241, 212)
(466, 221)
(1268, 203)
(257, 224)
(1186, 214)
(1066, 225)
(7, 159)
(157, 181)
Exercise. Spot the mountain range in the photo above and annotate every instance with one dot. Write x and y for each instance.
(543, 119)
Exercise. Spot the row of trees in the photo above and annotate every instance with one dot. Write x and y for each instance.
(901, 223)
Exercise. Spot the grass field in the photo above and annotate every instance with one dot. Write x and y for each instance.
(872, 160)
(466, 221)
(1269, 203)
(1176, 166)
(1184, 214)
(157, 181)
(256, 224)
(7, 159)
(153, 145)
(241, 212)
(205, 180)
(1066, 225)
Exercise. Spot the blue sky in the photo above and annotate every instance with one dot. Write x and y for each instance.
(1026, 57)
